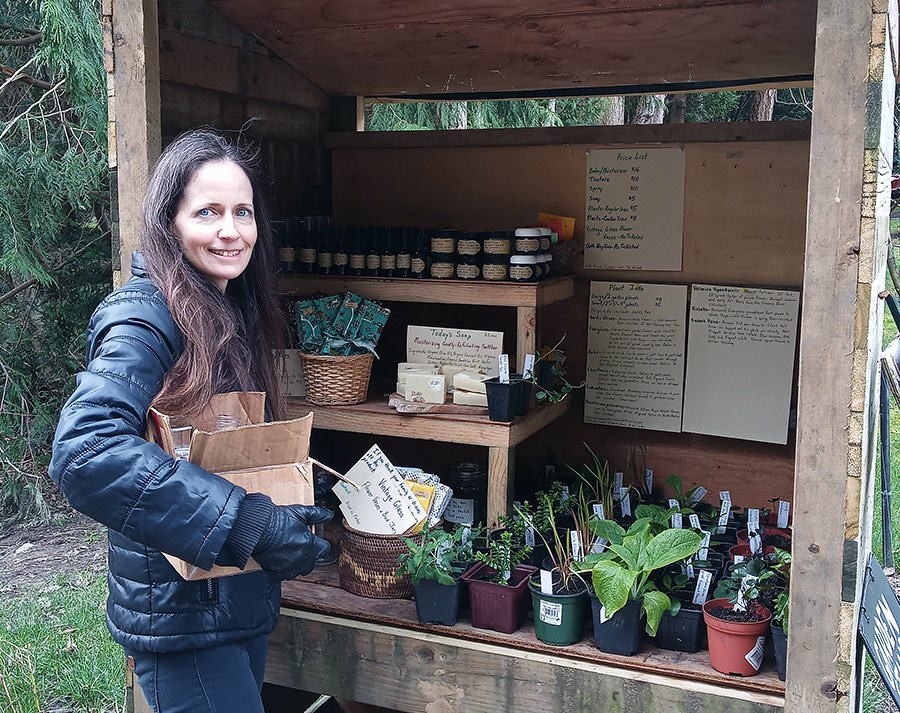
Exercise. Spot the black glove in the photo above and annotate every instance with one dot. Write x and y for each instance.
(288, 548)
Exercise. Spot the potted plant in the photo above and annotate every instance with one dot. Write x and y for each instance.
(623, 589)
(781, 612)
(548, 376)
(429, 563)
(681, 627)
(498, 585)
(597, 482)
(561, 612)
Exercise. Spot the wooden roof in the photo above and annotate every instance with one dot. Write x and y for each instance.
(451, 47)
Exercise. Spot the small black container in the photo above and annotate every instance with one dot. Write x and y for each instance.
(502, 398)
(682, 632)
(437, 603)
(779, 640)
(523, 394)
(620, 633)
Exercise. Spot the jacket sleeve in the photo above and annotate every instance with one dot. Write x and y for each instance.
(101, 461)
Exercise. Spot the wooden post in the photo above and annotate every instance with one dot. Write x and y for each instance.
(837, 404)
(501, 464)
(132, 31)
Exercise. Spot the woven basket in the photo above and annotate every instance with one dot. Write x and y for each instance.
(368, 565)
(336, 380)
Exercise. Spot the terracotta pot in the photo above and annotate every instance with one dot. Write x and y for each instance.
(743, 550)
(743, 535)
(732, 644)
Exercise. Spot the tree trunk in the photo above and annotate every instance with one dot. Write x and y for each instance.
(763, 105)
(650, 109)
(677, 104)
(551, 109)
(462, 116)
(615, 111)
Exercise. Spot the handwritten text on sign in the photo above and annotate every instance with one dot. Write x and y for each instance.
(634, 209)
(635, 358)
(458, 347)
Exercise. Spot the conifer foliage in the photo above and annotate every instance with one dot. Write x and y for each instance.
(54, 236)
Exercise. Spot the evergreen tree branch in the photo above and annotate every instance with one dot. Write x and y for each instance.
(17, 289)
(18, 75)
(25, 113)
(21, 41)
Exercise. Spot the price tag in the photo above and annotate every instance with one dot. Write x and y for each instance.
(724, 495)
(724, 515)
(755, 544)
(755, 656)
(625, 500)
(529, 366)
(690, 570)
(703, 552)
(575, 536)
(701, 589)
(673, 503)
(784, 511)
(550, 613)
(598, 511)
(753, 520)
(618, 482)
(648, 480)
(529, 536)
(676, 521)
(504, 368)
(565, 493)
(695, 521)
(699, 494)
(546, 582)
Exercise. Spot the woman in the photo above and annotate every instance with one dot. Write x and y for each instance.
(199, 317)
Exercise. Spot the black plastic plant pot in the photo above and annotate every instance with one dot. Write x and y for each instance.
(620, 633)
(523, 394)
(559, 619)
(437, 603)
(682, 632)
(779, 640)
(502, 399)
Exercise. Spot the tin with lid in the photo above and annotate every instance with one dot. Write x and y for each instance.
(498, 243)
(527, 241)
(523, 268)
(443, 242)
(495, 268)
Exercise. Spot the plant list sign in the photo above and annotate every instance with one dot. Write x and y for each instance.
(635, 355)
(470, 348)
(740, 365)
(634, 209)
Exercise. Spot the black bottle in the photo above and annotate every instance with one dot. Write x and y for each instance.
(341, 256)
(286, 252)
(387, 245)
(419, 248)
(324, 250)
(357, 257)
(404, 257)
(306, 255)
(373, 253)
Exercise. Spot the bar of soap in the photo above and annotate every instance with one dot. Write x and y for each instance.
(469, 398)
(401, 375)
(416, 366)
(470, 381)
(427, 388)
(401, 389)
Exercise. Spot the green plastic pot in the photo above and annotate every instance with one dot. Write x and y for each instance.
(559, 619)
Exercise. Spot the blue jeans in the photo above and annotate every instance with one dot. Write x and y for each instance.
(220, 679)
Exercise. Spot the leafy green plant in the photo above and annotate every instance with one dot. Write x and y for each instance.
(429, 557)
(558, 387)
(622, 573)
(596, 481)
(758, 579)
(684, 497)
(503, 556)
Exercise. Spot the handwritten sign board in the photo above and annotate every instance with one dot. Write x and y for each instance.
(634, 209)
(383, 504)
(459, 347)
(879, 626)
(740, 363)
(635, 360)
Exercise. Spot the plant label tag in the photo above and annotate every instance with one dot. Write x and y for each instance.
(648, 480)
(529, 536)
(747, 583)
(503, 364)
(618, 482)
(703, 552)
(698, 494)
(528, 367)
(755, 544)
(465, 534)
(694, 520)
(575, 537)
(673, 503)
(753, 520)
(724, 515)
(603, 618)
(441, 549)
(546, 582)
(784, 511)
(738, 558)
(549, 472)
(689, 569)
(676, 521)
(598, 511)
(701, 589)
(724, 495)
(550, 613)
(625, 500)
(564, 494)
(506, 575)
(755, 656)
(599, 545)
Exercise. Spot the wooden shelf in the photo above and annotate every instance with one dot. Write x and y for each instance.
(377, 418)
(464, 292)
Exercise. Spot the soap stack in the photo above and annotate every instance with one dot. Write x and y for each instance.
(430, 383)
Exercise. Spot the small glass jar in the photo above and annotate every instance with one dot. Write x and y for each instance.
(443, 242)
(527, 241)
(499, 243)
(544, 266)
(442, 267)
(495, 268)
(545, 239)
(468, 269)
(523, 268)
(468, 245)
(468, 506)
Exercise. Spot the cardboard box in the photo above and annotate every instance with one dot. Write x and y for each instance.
(271, 458)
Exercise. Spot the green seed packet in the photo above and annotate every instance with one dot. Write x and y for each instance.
(357, 327)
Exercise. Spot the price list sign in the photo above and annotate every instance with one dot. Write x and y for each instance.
(634, 209)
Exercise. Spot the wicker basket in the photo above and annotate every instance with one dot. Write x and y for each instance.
(368, 565)
(336, 380)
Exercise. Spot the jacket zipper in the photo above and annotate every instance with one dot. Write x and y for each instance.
(210, 595)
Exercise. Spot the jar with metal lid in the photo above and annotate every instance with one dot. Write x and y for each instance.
(495, 268)
(527, 241)
(545, 239)
(499, 243)
(523, 268)
(443, 242)
(443, 267)
(544, 265)
(468, 245)
(468, 506)
(468, 269)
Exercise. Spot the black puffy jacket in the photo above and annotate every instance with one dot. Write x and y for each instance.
(148, 500)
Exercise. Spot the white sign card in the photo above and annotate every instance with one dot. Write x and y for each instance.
(740, 364)
(634, 209)
(383, 504)
(462, 347)
(635, 355)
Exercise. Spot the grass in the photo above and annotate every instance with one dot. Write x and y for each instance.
(56, 654)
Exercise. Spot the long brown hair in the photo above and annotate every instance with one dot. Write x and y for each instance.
(228, 340)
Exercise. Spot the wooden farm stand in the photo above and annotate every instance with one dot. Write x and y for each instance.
(779, 205)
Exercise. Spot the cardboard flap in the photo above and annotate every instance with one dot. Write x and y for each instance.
(255, 446)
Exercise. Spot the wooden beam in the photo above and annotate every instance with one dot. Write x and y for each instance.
(832, 268)
(135, 114)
